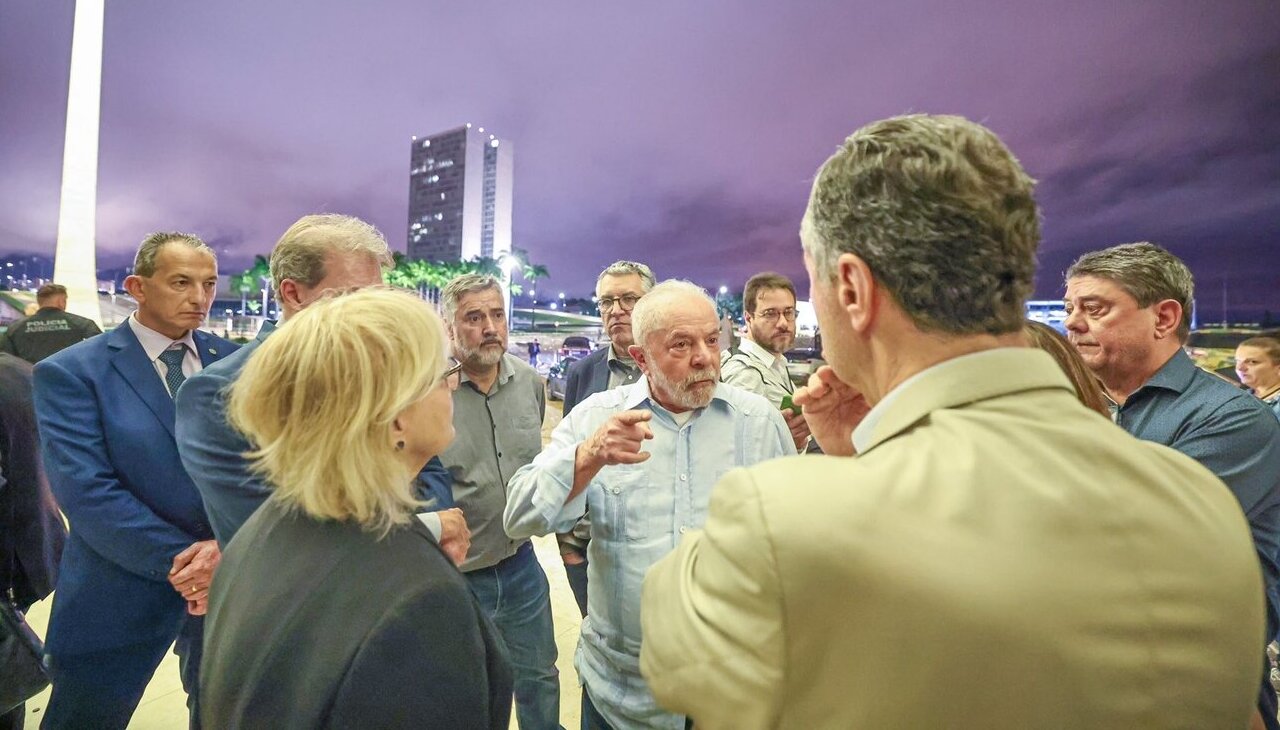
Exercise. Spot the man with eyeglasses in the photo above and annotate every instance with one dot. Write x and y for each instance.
(758, 364)
(618, 289)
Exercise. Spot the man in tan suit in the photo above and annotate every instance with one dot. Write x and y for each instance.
(977, 549)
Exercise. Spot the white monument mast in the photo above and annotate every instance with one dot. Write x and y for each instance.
(75, 263)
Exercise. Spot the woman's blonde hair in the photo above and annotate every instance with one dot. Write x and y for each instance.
(1088, 390)
(319, 397)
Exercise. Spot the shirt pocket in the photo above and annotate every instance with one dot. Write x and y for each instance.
(628, 504)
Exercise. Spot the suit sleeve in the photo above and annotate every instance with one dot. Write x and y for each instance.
(712, 617)
(102, 511)
(213, 454)
(435, 485)
(424, 665)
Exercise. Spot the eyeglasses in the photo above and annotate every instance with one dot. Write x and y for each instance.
(453, 376)
(771, 315)
(627, 301)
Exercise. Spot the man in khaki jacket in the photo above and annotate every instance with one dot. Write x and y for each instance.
(996, 555)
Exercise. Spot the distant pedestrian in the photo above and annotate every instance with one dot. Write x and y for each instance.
(50, 329)
(534, 350)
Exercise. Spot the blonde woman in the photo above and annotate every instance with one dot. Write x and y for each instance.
(333, 606)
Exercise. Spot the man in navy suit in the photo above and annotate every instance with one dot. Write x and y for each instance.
(618, 288)
(318, 253)
(136, 570)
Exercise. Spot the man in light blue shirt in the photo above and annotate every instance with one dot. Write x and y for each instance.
(643, 458)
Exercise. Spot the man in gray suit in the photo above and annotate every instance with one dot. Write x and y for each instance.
(318, 253)
(618, 288)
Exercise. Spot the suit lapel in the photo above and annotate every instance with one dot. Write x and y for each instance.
(130, 361)
(600, 376)
(208, 349)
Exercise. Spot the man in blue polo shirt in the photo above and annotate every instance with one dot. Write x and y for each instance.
(1127, 317)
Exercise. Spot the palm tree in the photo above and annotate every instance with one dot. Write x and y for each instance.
(252, 278)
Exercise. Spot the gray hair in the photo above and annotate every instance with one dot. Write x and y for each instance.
(465, 284)
(300, 253)
(941, 212)
(144, 262)
(649, 314)
(1146, 272)
(627, 268)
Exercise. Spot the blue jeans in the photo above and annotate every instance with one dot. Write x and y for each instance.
(516, 597)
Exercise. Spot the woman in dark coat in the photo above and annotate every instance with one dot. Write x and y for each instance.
(334, 606)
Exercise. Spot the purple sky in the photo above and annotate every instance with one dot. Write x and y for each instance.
(682, 134)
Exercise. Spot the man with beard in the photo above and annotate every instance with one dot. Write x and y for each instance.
(642, 458)
(618, 288)
(757, 364)
(497, 415)
(969, 506)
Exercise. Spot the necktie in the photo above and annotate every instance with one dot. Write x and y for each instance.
(172, 359)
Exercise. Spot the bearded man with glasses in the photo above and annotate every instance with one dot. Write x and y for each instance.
(758, 364)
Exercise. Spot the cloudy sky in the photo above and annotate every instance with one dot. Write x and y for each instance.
(681, 133)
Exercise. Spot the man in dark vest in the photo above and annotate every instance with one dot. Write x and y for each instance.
(49, 330)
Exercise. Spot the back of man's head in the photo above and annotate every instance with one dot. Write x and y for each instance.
(52, 295)
(1146, 272)
(941, 212)
(300, 253)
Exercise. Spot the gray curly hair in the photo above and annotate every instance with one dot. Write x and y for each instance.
(941, 212)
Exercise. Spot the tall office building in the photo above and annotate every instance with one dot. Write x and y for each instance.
(459, 195)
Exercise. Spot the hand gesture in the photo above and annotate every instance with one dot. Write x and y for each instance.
(455, 536)
(618, 440)
(192, 571)
(799, 427)
(832, 409)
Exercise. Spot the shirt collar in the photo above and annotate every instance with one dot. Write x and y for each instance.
(1176, 374)
(612, 357)
(153, 343)
(751, 348)
(957, 382)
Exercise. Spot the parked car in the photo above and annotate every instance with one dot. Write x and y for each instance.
(801, 362)
(576, 345)
(558, 377)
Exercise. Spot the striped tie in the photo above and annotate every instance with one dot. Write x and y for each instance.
(172, 359)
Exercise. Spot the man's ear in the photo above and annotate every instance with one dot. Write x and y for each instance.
(1168, 316)
(133, 285)
(856, 290)
(637, 354)
(291, 294)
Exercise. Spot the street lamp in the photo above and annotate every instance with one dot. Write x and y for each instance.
(509, 264)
